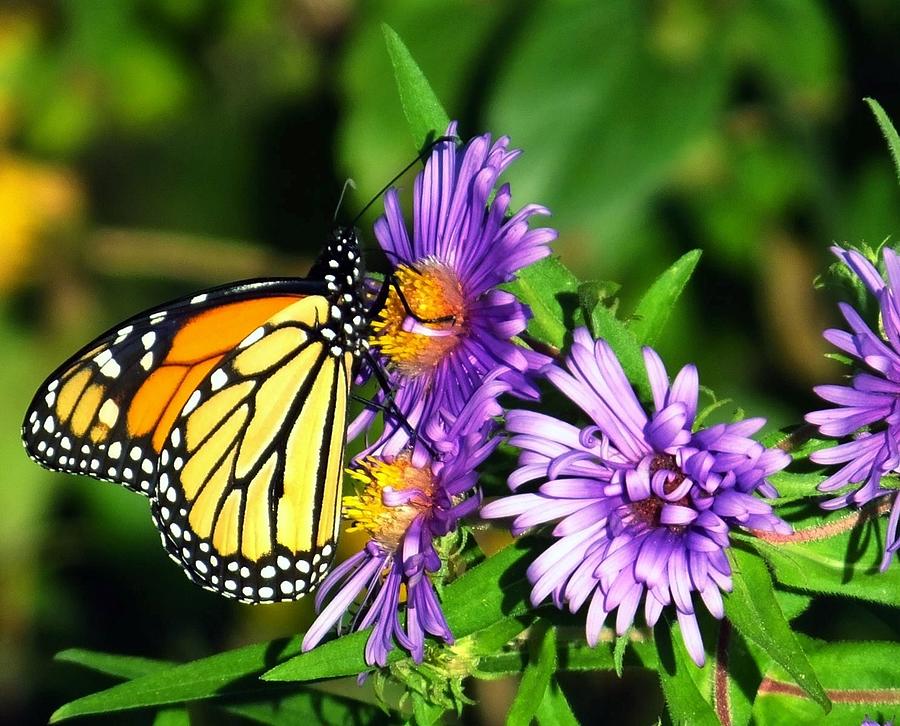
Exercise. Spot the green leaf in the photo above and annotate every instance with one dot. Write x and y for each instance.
(604, 324)
(794, 486)
(861, 678)
(126, 667)
(569, 657)
(839, 555)
(426, 713)
(754, 612)
(619, 653)
(494, 590)
(307, 707)
(426, 116)
(492, 639)
(536, 677)
(551, 291)
(652, 312)
(887, 128)
(555, 709)
(223, 674)
(684, 701)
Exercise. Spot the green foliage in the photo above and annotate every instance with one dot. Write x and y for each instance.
(537, 675)
(887, 128)
(426, 117)
(755, 613)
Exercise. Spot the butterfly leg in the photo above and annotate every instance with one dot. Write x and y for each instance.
(389, 406)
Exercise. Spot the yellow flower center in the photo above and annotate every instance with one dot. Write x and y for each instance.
(417, 336)
(367, 510)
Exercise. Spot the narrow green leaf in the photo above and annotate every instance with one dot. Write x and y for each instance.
(226, 673)
(126, 667)
(555, 709)
(569, 657)
(426, 116)
(619, 653)
(494, 590)
(536, 676)
(794, 486)
(754, 611)
(652, 312)
(622, 340)
(426, 713)
(861, 678)
(684, 701)
(493, 638)
(551, 291)
(887, 128)
(271, 705)
(838, 554)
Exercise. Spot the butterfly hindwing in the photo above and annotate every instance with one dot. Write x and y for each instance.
(106, 410)
(248, 493)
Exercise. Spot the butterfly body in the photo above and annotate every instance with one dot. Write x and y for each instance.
(228, 410)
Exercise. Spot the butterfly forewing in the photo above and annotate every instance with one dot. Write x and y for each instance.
(106, 411)
(228, 409)
(248, 495)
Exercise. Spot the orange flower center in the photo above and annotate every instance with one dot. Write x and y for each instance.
(367, 510)
(416, 336)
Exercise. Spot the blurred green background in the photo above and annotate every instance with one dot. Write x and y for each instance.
(151, 147)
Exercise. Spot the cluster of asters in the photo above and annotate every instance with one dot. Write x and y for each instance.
(640, 501)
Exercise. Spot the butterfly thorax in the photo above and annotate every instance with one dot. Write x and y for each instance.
(341, 267)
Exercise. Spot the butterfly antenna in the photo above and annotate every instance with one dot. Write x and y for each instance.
(349, 183)
(422, 155)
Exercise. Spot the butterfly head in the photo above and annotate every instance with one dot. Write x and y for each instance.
(341, 268)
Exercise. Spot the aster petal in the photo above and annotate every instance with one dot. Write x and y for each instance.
(627, 608)
(596, 616)
(339, 604)
(861, 266)
(680, 580)
(658, 377)
(686, 389)
(690, 634)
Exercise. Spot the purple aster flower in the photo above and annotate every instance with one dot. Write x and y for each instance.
(463, 246)
(871, 402)
(869, 722)
(643, 505)
(408, 500)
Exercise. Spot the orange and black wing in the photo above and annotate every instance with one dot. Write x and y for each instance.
(106, 412)
(248, 492)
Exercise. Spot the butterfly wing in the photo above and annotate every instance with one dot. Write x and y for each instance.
(106, 411)
(248, 493)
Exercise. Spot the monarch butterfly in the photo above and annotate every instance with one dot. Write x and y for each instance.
(228, 410)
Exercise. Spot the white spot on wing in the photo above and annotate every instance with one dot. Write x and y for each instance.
(146, 361)
(218, 379)
(148, 339)
(252, 338)
(115, 450)
(110, 369)
(198, 298)
(191, 403)
(109, 412)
